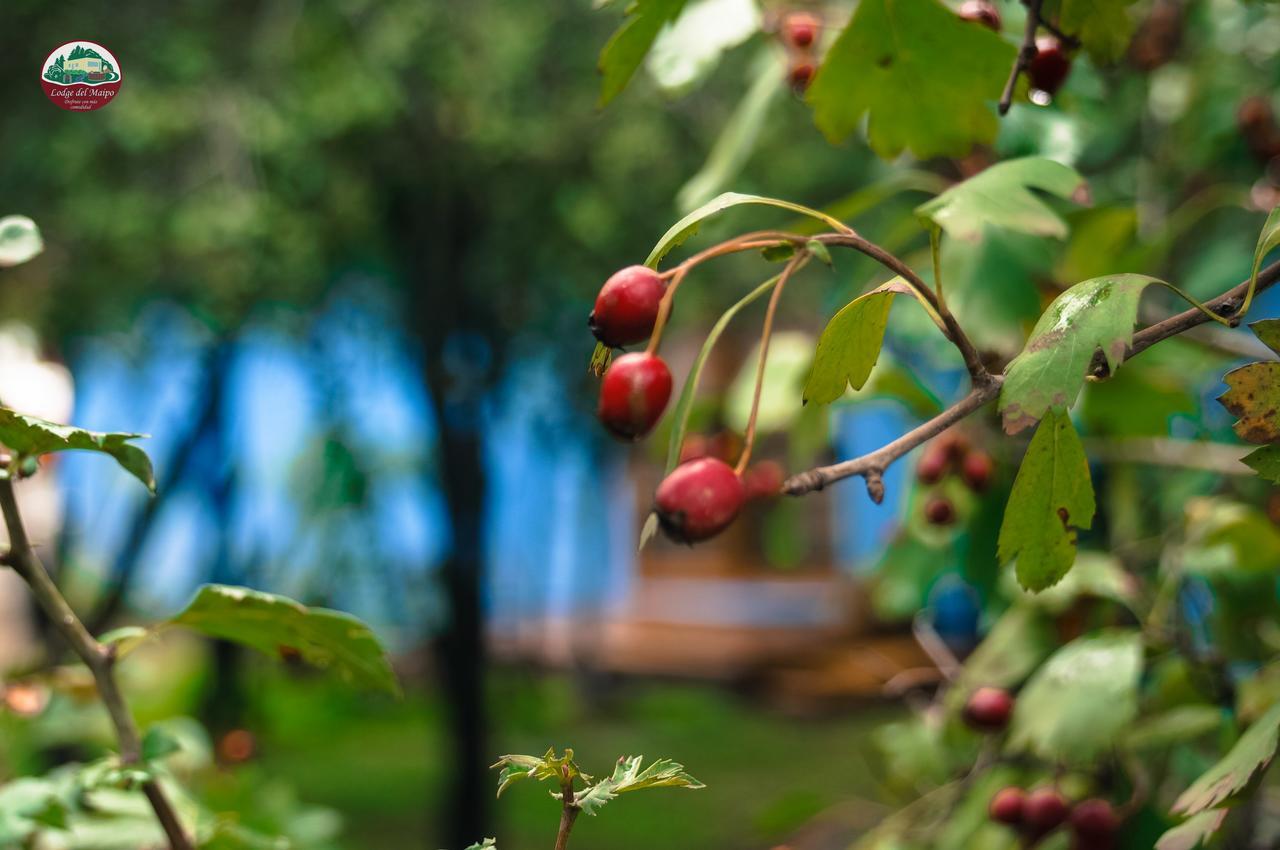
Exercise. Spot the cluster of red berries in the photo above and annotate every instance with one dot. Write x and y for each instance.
(799, 32)
(952, 453)
(704, 494)
(1094, 823)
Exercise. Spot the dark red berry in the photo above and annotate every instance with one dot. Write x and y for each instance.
(989, 709)
(1095, 819)
(934, 464)
(801, 29)
(1006, 806)
(976, 470)
(633, 394)
(982, 12)
(627, 306)
(726, 445)
(698, 499)
(763, 480)
(1050, 65)
(1044, 810)
(801, 74)
(939, 511)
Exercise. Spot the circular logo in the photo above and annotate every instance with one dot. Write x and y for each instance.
(80, 76)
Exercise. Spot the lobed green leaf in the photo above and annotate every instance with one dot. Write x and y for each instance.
(1052, 496)
(31, 437)
(923, 78)
(850, 345)
(1236, 770)
(628, 776)
(627, 47)
(1082, 700)
(279, 626)
(1001, 196)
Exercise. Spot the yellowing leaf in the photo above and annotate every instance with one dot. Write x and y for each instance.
(1001, 196)
(627, 47)
(924, 78)
(1236, 770)
(1051, 369)
(849, 346)
(1193, 832)
(1052, 497)
(1253, 396)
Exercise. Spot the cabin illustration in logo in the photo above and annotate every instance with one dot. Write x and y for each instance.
(81, 65)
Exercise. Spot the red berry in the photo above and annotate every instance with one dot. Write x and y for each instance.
(1006, 806)
(698, 500)
(763, 480)
(982, 12)
(1094, 819)
(726, 445)
(801, 74)
(940, 511)
(633, 394)
(934, 464)
(1049, 67)
(976, 470)
(988, 709)
(1044, 810)
(627, 306)
(801, 29)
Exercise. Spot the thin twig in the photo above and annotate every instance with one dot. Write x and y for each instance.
(766, 334)
(568, 813)
(872, 466)
(1026, 52)
(101, 662)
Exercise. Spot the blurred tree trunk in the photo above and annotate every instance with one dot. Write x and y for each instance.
(432, 230)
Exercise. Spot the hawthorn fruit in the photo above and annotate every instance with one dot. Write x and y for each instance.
(1045, 810)
(801, 74)
(699, 499)
(633, 394)
(763, 480)
(1006, 806)
(989, 709)
(939, 511)
(976, 470)
(934, 464)
(800, 29)
(1049, 67)
(1095, 823)
(627, 306)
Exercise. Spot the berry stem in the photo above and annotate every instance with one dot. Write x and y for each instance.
(1026, 52)
(766, 333)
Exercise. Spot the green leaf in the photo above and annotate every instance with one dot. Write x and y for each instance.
(687, 226)
(1051, 369)
(1081, 701)
(1236, 770)
(627, 776)
(158, 743)
(1094, 574)
(19, 240)
(515, 768)
(1269, 238)
(1193, 832)
(1253, 396)
(1103, 26)
(690, 48)
(820, 251)
(487, 844)
(33, 437)
(737, 138)
(1052, 496)
(680, 416)
(850, 345)
(277, 626)
(1180, 725)
(790, 353)
(1265, 461)
(923, 77)
(627, 47)
(1225, 536)
(1001, 196)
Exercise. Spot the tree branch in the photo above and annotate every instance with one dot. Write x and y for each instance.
(872, 466)
(100, 661)
(1026, 52)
